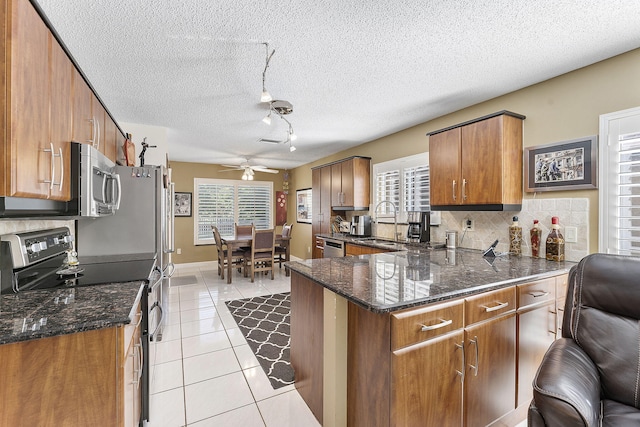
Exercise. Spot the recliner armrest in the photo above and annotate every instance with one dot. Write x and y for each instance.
(566, 389)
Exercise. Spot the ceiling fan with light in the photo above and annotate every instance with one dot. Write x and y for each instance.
(248, 169)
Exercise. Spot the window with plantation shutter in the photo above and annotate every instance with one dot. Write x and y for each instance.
(619, 182)
(405, 182)
(222, 203)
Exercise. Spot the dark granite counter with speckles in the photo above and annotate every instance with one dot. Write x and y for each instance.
(50, 312)
(416, 276)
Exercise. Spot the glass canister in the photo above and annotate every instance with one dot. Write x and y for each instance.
(515, 238)
(536, 236)
(554, 248)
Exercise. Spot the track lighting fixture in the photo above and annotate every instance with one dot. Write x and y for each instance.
(267, 119)
(279, 107)
(266, 96)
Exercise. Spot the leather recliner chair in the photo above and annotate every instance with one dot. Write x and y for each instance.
(591, 376)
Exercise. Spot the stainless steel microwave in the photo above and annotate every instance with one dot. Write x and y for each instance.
(98, 185)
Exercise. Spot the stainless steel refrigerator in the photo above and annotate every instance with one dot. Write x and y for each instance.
(141, 228)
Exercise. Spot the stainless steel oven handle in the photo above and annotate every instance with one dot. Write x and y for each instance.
(159, 307)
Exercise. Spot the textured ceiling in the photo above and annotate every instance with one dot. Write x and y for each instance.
(353, 70)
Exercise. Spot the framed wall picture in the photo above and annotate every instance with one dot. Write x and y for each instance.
(565, 165)
(303, 205)
(182, 204)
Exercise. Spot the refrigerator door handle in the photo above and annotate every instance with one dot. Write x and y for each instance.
(170, 236)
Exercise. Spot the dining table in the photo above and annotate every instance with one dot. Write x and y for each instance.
(238, 241)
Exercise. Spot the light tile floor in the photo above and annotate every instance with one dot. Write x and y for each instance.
(203, 372)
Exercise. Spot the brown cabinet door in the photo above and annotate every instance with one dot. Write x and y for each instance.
(348, 195)
(98, 114)
(325, 199)
(30, 165)
(482, 156)
(490, 378)
(427, 383)
(83, 126)
(316, 214)
(444, 168)
(61, 119)
(110, 149)
(336, 184)
(536, 332)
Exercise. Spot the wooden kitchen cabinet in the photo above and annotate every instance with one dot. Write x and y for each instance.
(536, 319)
(36, 122)
(477, 165)
(490, 354)
(355, 250)
(80, 379)
(83, 124)
(321, 203)
(350, 183)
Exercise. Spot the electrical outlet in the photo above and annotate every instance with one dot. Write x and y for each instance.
(308, 249)
(179, 251)
(571, 234)
(467, 224)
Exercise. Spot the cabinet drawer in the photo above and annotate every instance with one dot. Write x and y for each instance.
(416, 325)
(489, 304)
(536, 292)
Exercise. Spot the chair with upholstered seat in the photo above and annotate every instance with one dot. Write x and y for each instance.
(243, 230)
(281, 249)
(261, 255)
(237, 256)
(590, 376)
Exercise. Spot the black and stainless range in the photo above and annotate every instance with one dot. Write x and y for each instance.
(39, 260)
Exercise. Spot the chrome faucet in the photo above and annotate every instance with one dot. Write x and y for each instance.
(395, 218)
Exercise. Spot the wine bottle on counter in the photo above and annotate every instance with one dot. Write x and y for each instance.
(536, 236)
(515, 238)
(555, 242)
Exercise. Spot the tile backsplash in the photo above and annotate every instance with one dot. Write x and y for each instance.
(489, 226)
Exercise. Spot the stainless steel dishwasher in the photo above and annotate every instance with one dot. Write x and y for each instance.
(333, 248)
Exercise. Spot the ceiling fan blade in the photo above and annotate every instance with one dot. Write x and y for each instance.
(230, 170)
(264, 169)
(233, 166)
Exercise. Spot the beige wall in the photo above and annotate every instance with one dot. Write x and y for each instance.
(565, 107)
(183, 174)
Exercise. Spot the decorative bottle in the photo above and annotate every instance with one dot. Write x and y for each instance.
(536, 236)
(555, 242)
(515, 238)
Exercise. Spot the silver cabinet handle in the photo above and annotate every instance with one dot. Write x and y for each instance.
(464, 362)
(453, 189)
(464, 189)
(61, 168)
(53, 166)
(475, 367)
(141, 353)
(92, 141)
(495, 307)
(98, 133)
(442, 324)
(538, 294)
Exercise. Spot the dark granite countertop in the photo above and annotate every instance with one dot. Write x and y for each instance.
(49, 312)
(393, 281)
(380, 243)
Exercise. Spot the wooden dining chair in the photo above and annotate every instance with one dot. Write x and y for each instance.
(243, 230)
(237, 256)
(261, 255)
(281, 249)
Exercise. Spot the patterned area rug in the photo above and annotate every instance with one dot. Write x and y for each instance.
(264, 321)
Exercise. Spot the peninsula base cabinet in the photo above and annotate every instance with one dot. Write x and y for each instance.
(88, 378)
(463, 362)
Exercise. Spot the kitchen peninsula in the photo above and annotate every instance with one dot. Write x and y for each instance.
(421, 336)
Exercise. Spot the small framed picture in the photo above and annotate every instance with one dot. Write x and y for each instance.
(566, 165)
(182, 204)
